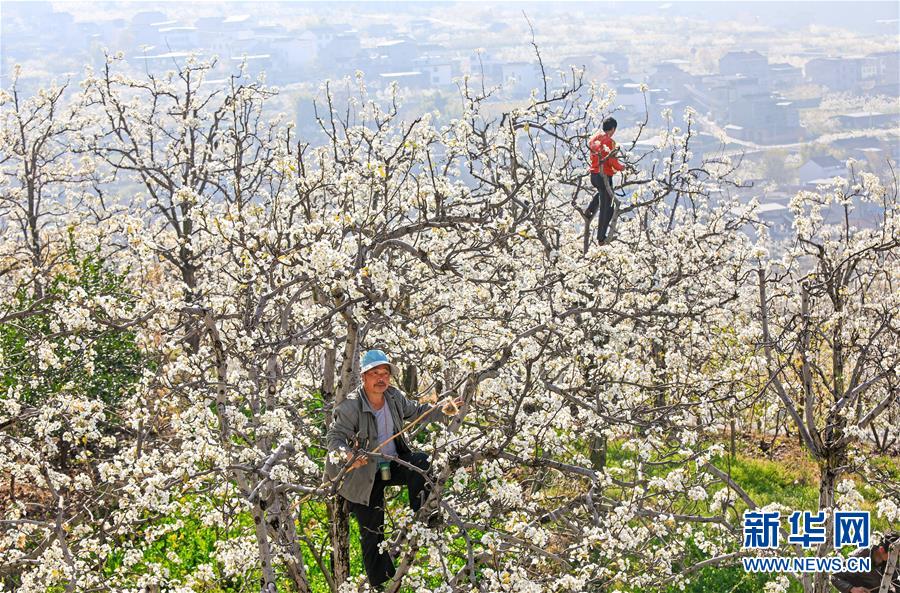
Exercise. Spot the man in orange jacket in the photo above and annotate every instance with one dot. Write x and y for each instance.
(604, 165)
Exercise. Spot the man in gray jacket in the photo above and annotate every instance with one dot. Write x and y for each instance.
(371, 418)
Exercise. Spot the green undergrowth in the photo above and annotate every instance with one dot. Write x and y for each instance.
(180, 552)
(790, 481)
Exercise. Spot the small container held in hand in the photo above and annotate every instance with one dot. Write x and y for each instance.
(385, 468)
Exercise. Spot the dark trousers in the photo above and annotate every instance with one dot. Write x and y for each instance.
(379, 565)
(604, 199)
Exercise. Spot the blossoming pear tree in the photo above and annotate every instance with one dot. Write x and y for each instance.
(239, 270)
(827, 319)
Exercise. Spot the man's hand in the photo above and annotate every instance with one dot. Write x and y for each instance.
(858, 590)
(359, 462)
(451, 408)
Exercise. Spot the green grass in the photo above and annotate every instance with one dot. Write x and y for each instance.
(770, 481)
(791, 482)
(731, 579)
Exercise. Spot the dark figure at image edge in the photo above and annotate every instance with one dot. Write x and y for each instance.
(866, 582)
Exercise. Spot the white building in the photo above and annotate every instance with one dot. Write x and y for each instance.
(437, 71)
(820, 168)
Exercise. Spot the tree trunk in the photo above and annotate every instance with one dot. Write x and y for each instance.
(614, 219)
(659, 364)
(193, 328)
(339, 530)
(328, 382)
(337, 508)
(268, 583)
(732, 439)
(35, 239)
(890, 568)
(827, 484)
(587, 234)
(835, 459)
(598, 447)
(410, 380)
(598, 453)
(282, 520)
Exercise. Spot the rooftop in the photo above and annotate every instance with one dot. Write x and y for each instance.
(745, 54)
(862, 114)
(827, 162)
(392, 43)
(171, 54)
(822, 181)
(408, 74)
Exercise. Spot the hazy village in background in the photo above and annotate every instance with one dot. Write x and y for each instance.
(799, 91)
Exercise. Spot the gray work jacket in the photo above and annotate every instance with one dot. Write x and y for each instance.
(354, 426)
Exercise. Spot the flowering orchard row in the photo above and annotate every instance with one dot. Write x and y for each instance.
(187, 283)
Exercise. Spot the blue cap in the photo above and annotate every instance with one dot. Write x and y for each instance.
(373, 358)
